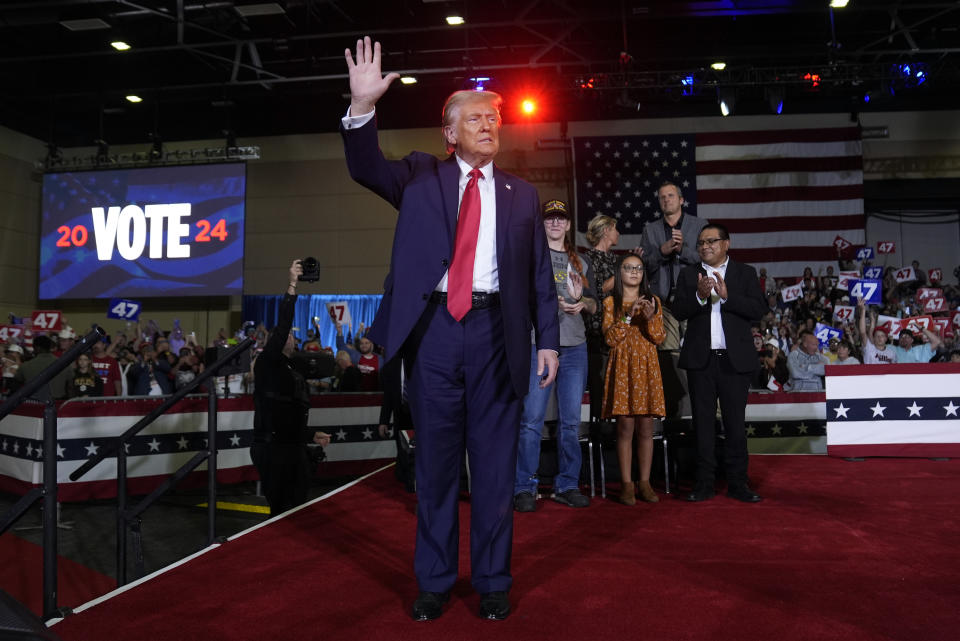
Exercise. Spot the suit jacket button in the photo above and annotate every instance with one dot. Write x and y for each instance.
(445, 262)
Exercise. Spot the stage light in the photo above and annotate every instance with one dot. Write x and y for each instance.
(528, 107)
(408, 80)
(454, 20)
(686, 83)
(912, 75)
(719, 65)
(774, 96)
(727, 97)
(134, 98)
(586, 83)
(813, 79)
(838, 4)
(120, 45)
(478, 82)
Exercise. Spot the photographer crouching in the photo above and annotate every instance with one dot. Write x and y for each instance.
(281, 406)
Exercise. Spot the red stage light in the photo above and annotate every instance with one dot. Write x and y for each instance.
(528, 107)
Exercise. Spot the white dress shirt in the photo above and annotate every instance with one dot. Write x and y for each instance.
(485, 274)
(717, 338)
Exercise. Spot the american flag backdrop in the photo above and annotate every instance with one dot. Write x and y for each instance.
(785, 194)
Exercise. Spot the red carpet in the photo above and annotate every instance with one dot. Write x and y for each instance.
(838, 550)
(21, 576)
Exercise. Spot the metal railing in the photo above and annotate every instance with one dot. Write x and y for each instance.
(48, 491)
(128, 519)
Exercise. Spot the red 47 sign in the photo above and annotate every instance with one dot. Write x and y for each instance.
(9, 333)
(935, 304)
(886, 247)
(46, 320)
(905, 274)
(935, 275)
(928, 292)
(956, 318)
(943, 326)
(841, 243)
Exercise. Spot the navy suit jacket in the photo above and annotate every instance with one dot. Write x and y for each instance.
(425, 191)
(745, 305)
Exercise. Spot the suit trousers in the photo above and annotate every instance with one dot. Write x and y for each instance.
(461, 398)
(719, 381)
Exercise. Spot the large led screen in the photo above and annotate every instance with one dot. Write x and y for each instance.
(156, 231)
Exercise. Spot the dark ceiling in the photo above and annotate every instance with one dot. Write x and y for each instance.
(204, 68)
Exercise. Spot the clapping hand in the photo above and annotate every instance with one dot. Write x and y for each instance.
(645, 307)
(705, 286)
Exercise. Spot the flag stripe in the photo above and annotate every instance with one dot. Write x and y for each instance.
(779, 179)
(778, 135)
(784, 208)
(755, 239)
(778, 150)
(759, 165)
(833, 224)
(804, 255)
(762, 194)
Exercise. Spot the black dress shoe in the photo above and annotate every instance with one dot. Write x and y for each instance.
(494, 606)
(429, 605)
(701, 492)
(743, 493)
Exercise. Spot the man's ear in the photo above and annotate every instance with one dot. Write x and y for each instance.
(450, 134)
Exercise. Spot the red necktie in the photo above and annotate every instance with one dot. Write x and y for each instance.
(460, 276)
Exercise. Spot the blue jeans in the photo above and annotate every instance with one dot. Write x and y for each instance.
(570, 383)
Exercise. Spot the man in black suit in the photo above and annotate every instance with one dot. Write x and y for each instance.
(719, 299)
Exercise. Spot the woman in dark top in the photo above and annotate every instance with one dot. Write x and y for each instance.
(85, 381)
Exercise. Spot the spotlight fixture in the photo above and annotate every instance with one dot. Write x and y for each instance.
(120, 45)
(477, 83)
(774, 96)
(455, 20)
(687, 86)
(134, 98)
(719, 65)
(408, 80)
(528, 106)
(156, 148)
(838, 4)
(727, 97)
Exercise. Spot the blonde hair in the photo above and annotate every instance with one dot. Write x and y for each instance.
(456, 100)
(597, 226)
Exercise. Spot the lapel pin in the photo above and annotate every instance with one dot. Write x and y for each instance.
(508, 186)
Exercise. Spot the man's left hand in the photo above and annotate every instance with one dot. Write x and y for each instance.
(547, 365)
(721, 286)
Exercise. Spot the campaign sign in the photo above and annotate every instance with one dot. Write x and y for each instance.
(943, 326)
(929, 292)
(956, 318)
(864, 253)
(845, 277)
(11, 333)
(824, 333)
(842, 244)
(935, 304)
(868, 289)
(905, 274)
(791, 293)
(340, 313)
(917, 323)
(46, 320)
(873, 272)
(124, 309)
(886, 247)
(890, 324)
(935, 275)
(153, 231)
(843, 313)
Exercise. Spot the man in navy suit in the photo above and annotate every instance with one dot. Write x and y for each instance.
(720, 299)
(467, 371)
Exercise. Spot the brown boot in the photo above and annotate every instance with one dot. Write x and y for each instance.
(627, 497)
(646, 493)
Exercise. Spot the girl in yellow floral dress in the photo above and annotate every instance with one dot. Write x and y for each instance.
(633, 388)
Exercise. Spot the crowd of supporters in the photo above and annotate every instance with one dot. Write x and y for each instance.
(146, 360)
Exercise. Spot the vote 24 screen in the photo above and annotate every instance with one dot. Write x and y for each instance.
(156, 231)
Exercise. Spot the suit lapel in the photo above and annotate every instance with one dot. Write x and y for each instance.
(504, 190)
(449, 172)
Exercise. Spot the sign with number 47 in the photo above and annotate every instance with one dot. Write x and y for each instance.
(124, 309)
(824, 333)
(867, 289)
(46, 320)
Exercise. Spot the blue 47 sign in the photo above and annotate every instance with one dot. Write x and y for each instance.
(824, 333)
(124, 309)
(869, 289)
(864, 253)
(873, 272)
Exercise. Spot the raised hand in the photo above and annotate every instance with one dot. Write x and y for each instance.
(646, 307)
(367, 82)
(574, 285)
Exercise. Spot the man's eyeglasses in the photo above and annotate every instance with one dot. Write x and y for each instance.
(555, 220)
(709, 241)
(635, 269)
